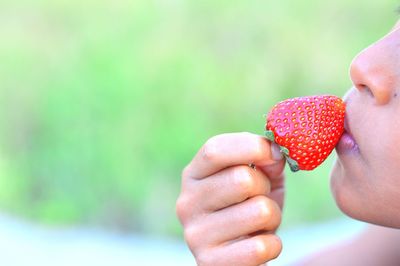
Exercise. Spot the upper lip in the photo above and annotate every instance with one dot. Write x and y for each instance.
(347, 126)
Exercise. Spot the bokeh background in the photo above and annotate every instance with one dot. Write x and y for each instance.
(102, 103)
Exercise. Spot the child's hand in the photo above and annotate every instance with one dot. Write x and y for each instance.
(229, 210)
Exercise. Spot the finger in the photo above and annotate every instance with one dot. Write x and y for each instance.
(277, 182)
(227, 187)
(274, 171)
(230, 149)
(252, 251)
(255, 214)
(278, 195)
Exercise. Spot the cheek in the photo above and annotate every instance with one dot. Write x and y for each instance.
(386, 167)
(369, 191)
(383, 157)
(377, 135)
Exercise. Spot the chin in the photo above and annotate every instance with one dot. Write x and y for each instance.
(355, 197)
(347, 191)
(340, 189)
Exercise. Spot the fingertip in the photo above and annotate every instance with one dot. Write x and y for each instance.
(278, 246)
(276, 153)
(266, 247)
(255, 250)
(269, 153)
(274, 170)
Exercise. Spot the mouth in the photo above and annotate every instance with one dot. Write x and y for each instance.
(347, 128)
(347, 143)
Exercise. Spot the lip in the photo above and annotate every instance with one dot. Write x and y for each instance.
(347, 143)
(347, 129)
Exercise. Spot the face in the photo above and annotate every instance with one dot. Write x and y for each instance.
(365, 179)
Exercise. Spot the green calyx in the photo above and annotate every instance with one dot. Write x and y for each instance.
(270, 135)
(294, 166)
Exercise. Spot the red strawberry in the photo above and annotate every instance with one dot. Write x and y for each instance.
(306, 128)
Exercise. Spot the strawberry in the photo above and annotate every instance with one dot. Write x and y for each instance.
(307, 129)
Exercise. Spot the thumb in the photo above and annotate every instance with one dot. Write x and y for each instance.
(276, 175)
(274, 170)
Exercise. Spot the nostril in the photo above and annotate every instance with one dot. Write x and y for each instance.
(364, 89)
(368, 90)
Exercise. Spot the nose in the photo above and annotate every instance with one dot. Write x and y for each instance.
(375, 70)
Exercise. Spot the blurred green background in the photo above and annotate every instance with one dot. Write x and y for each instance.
(104, 102)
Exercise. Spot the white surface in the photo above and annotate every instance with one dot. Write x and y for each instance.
(303, 241)
(23, 244)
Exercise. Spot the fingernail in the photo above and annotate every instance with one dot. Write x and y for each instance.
(276, 152)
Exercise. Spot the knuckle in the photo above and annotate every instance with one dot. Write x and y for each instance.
(277, 215)
(203, 258)
(209, 150)
(243, 180)
(277, 242)
(191, 235)
(267, 214)
(265, 248)
(263, 209)
(185, 172)
(182, 207)
(259, 250)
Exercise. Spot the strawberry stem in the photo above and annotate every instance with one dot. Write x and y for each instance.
(270, 135)
(284, 150)
(294, 166)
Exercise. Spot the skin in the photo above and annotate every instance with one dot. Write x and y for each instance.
(230, 211)
(365, 183)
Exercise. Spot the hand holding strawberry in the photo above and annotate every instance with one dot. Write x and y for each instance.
(306, 128)
(230, 211)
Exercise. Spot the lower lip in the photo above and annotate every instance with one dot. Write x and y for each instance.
(346, 144)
